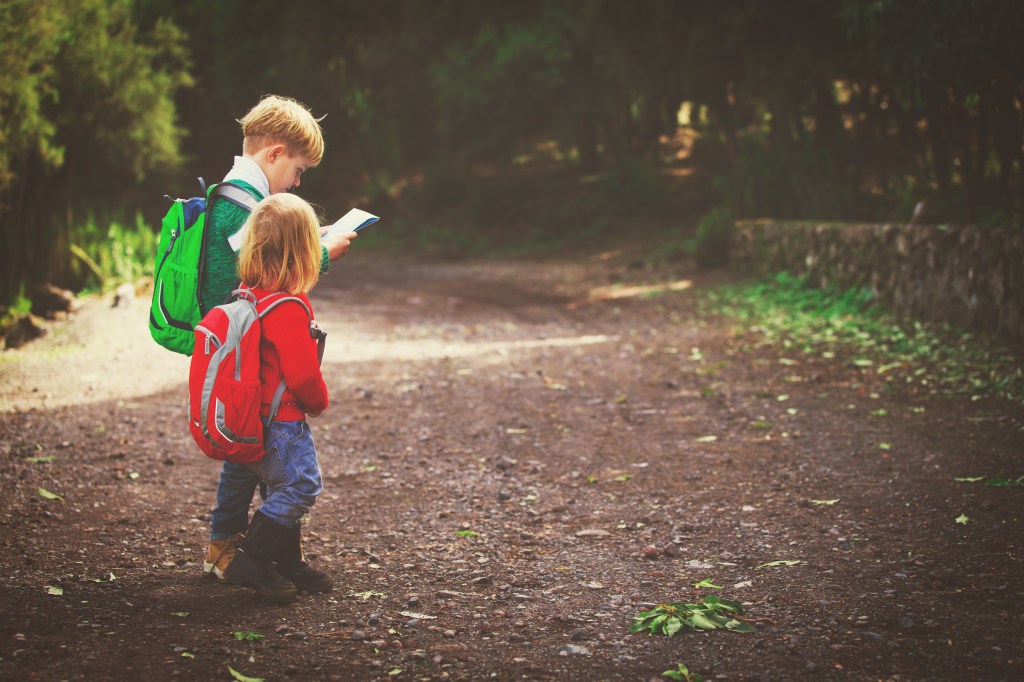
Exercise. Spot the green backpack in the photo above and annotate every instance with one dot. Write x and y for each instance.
(174, 311)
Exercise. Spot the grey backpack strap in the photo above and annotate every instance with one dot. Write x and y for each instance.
(276, 402)
(236, 195)
(314, 331)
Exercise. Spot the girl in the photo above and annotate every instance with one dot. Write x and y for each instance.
(282, 253)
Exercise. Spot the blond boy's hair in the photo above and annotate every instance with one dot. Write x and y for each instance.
(282, 120)
(281, 251)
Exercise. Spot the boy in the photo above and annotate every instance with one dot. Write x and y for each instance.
(280, 141)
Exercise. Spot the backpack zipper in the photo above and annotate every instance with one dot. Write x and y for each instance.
(210, 338)
(170, 245)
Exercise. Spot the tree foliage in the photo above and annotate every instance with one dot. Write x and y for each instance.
(820, 109)
(87, 114)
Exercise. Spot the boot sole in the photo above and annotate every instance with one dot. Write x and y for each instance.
(321, 589)
(238, 577)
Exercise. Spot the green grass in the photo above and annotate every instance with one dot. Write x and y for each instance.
(788, 314)
(106, 254)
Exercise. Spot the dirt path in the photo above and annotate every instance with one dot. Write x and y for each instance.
(608, 449)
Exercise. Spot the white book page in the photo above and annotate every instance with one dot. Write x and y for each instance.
(352, 221)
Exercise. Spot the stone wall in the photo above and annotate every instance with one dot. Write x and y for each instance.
(969, 277)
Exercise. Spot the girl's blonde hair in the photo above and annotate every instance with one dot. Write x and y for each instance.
(281, 251)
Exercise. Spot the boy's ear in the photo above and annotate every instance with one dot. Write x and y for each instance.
(275, 152)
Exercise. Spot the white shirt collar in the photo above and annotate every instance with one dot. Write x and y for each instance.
(249, 171)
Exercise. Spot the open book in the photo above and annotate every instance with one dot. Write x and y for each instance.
(353, 221)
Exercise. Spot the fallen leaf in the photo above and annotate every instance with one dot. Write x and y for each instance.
(417, 616)
(592, 533)
(962, 520)
(824, 502)
(243, 678)
(782, 562)
(366, 595)
(707, 439)
(47, 495)
(50, 589)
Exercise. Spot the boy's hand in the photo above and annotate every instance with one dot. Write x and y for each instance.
(337, 244)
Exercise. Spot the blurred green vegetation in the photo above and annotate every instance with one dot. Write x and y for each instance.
(787, 314)
(513, 127)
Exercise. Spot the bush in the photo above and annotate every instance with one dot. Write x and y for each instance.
(714, 237)
(101, 257)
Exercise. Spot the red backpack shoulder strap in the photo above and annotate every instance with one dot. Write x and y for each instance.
(268, 303)
(271, 301)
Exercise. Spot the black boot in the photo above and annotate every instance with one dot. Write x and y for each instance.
(253, 565)
(291, 564)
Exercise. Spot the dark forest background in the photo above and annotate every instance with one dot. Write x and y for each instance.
(479, 125)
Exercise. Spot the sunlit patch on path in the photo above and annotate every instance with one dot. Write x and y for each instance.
(615, 292)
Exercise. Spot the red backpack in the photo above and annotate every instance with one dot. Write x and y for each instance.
(224, 387)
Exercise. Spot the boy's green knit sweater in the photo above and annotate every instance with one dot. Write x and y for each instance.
(220, 264)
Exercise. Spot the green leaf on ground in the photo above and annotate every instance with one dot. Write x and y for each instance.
(708, 582)
(707, 439)
(1000, 482)
(782, 562)
(243, 678)
(824, 502)
(994, 481)
(365, 596)
(47, 495)
(466, 533)
(683, 674)
(45, 459)
(710, 613)
(622, 478)
(185, 654)
(180, 614)
(50, 589)
(962, 519)
(247, 635)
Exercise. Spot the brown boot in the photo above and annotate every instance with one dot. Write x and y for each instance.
(253, 565)
(291, 563)
(220, 554)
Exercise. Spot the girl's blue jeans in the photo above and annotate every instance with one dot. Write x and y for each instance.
(290, 471)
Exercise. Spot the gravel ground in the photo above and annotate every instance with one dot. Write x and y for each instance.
(519, 457)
